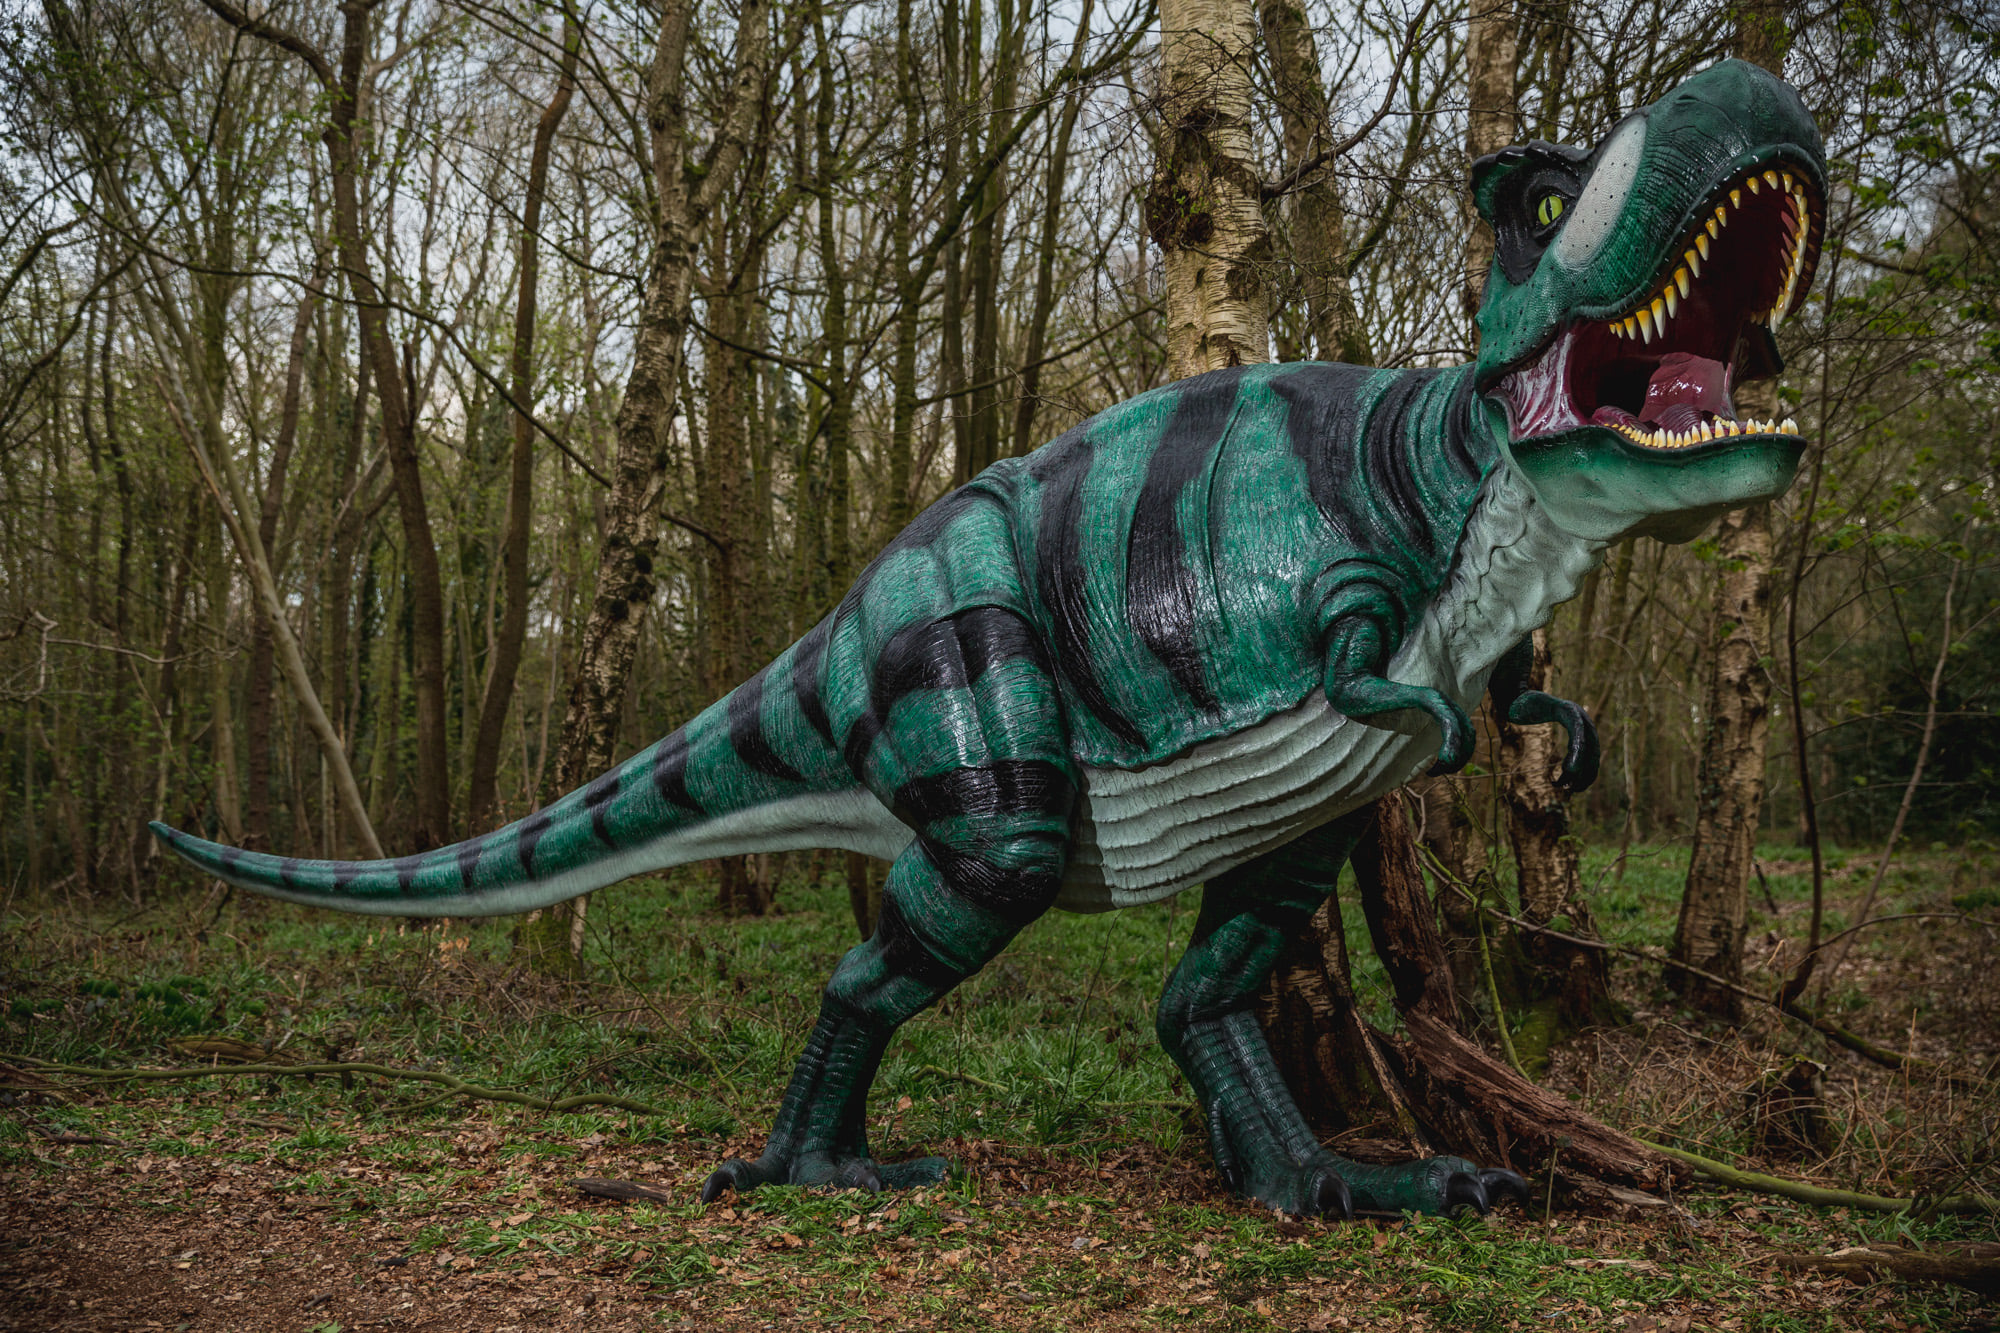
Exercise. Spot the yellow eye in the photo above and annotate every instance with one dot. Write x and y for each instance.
(1549, 209)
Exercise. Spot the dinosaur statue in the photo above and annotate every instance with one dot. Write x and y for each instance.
(1187, 641)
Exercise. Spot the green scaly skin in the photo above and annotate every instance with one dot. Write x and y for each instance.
(1190, 641)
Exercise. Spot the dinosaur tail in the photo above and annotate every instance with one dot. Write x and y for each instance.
(737, 779)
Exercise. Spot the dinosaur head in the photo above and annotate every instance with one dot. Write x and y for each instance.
(1634, 286)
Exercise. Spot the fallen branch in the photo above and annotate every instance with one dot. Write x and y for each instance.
(1820, 1196)
(1870, 1261)
(625, 1191)
(451, 1082)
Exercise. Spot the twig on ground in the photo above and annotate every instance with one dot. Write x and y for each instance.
(456, 1085)
(1820, 1196)
(936, 1071)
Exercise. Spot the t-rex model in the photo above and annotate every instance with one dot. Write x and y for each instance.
(1185, 642)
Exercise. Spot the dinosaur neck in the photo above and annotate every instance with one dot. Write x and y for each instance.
(1513, 567)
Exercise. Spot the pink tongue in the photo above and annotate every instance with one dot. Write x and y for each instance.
(1693, 384)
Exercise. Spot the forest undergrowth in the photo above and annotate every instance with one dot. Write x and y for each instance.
(1083, 1196)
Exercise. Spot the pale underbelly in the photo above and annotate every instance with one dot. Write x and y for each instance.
(1144, 834)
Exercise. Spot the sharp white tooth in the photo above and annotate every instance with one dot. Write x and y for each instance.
(1681, 279)
(1736, 198)
(1701, 247)
(1659, 309)
(1707, 432)
(1770, 179)
(1617, 329)
(1631, 326)
(1714, 228)
(1659, 439)
(1789, 182)
(1646, 325)
(1752, 183)
(1790, 427)
(1673, 301)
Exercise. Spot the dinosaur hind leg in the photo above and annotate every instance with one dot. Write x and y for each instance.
(992, 819)
(1206, 1021)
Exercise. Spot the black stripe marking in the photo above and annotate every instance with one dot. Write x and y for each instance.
(345, 873)
(670, 766)
(990, 635)
(1163, 599)
(1458, 432)
(468, 861)
(1324, 428)
(904, 955)
(1016, 893)
(532, 829)
(940, 655)
(1062, 573)
(807, 659)
(924, 656)
(597, 798)
(288, 871)
(1003, 787)
(746, 732)
(1385, 454)
(406, 871)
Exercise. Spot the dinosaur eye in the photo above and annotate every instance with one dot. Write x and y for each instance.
(1550, 209)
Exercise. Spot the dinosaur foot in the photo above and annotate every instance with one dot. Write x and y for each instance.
(1313, 1189)
(1441, 1185)
(824, 1170)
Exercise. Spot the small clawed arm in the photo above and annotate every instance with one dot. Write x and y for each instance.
(1513, 700)
(1355, 685)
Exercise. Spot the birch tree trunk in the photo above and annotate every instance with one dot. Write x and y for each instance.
(1205, 207)
(687, 194)
(1729, 788)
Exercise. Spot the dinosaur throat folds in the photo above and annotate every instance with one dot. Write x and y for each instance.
(1661, 375)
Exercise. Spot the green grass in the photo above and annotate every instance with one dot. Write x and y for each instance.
(1049, 1053)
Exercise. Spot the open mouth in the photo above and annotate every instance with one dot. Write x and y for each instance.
(1661, 373)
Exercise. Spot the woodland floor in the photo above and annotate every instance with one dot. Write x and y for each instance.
(1084, 1198)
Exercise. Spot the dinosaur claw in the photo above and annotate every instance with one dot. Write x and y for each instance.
(862, 1175)
(1501, 1184)
(719, 1182)
(1463, 1189)
(1328, 1197)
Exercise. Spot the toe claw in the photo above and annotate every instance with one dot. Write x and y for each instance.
(1329, 1197)
(719, 1181)
(862, 1176)
(1505, 1184)
(1464, 1189)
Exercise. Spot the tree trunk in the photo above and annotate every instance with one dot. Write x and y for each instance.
(893, 508)
(1565, 985)
(1491, 53)
(512, 633)
(1729, 790)
(686, 194)
(258, 703)
(1053, 190)
(1319, 222)
(1204, 208)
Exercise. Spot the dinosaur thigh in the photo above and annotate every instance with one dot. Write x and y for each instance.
(975, 760)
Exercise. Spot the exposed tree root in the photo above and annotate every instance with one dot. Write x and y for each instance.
(1798, 1190)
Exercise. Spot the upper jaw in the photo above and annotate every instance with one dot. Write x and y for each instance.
(1657, 368)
